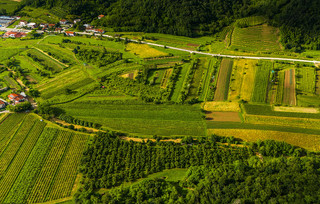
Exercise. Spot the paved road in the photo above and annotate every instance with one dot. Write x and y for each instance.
(190, 51)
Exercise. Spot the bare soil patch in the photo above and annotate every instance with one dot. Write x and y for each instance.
(141, 140)
(289, 96)
(223, 116)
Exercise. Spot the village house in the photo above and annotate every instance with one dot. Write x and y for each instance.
(16, 98)
(75, 21)
(43, 25)
(99, 31)
(100, 16)
(11, 34)
(86, 25)
(70, 33)
(32, 25)
(2, 103)
(52, 25)
(6, 21)
(63, 22)
(58, 30)
(23, 23)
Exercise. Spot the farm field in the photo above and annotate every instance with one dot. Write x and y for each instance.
(255, 38)
(307, 141)
(261, 82)
(242, 78)
(8, 5)
(223, 116)
(37, 160)
(142, 119)
(223, 82)
(289, 95)
(144, 51)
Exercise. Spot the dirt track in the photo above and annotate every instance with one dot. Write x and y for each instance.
(289, 93)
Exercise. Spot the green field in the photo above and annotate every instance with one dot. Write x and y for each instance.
(145, 119)
(261, 82)
(223, 82)
(256, 38)
(36, 160)
(8, 5)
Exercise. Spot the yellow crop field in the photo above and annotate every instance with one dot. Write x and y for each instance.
(283, 121)
(222, 106)
(242, 79)
(296, 109)
(144, 51)
(307, 141)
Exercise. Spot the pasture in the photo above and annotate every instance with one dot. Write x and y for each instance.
(36, 160)
(221, 93)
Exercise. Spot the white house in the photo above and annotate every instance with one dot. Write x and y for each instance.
(23, 23)
(32, 25)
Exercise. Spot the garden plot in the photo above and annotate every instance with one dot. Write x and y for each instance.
(289, 95)
(221, 93)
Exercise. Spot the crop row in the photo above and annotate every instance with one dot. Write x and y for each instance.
(15, 143)
(43, 183)
(261, 82)
(187, 83)
(16, 165)
(64, 180)
(24, 183)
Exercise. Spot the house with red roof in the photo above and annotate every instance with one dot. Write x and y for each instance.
(70, 33)
(63, 22)
(16, 98)
(2, 104)
(100, 16)
(11, 34)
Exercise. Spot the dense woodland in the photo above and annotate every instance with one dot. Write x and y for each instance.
(299, 20)
(217, 172)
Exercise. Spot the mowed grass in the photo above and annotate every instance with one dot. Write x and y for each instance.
(144, 51)
(147, 119)
(261, 82)
(307, 141)
(222, 90)
(222, 106)
(256, 38)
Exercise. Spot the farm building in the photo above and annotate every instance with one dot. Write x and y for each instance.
(63, 22)
(2, 104)
(100, 16)
(76, 21)
(23, 23)
(11, 34)
(6, 21)
(70, 33)
(16, 98)
(32, 25)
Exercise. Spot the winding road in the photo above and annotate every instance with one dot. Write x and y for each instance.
(185, 50)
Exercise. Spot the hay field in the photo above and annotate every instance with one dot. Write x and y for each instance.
(144, 51)
(221, 106)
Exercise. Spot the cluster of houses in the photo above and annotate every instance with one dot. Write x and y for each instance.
(61, 27)
(14, 98)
